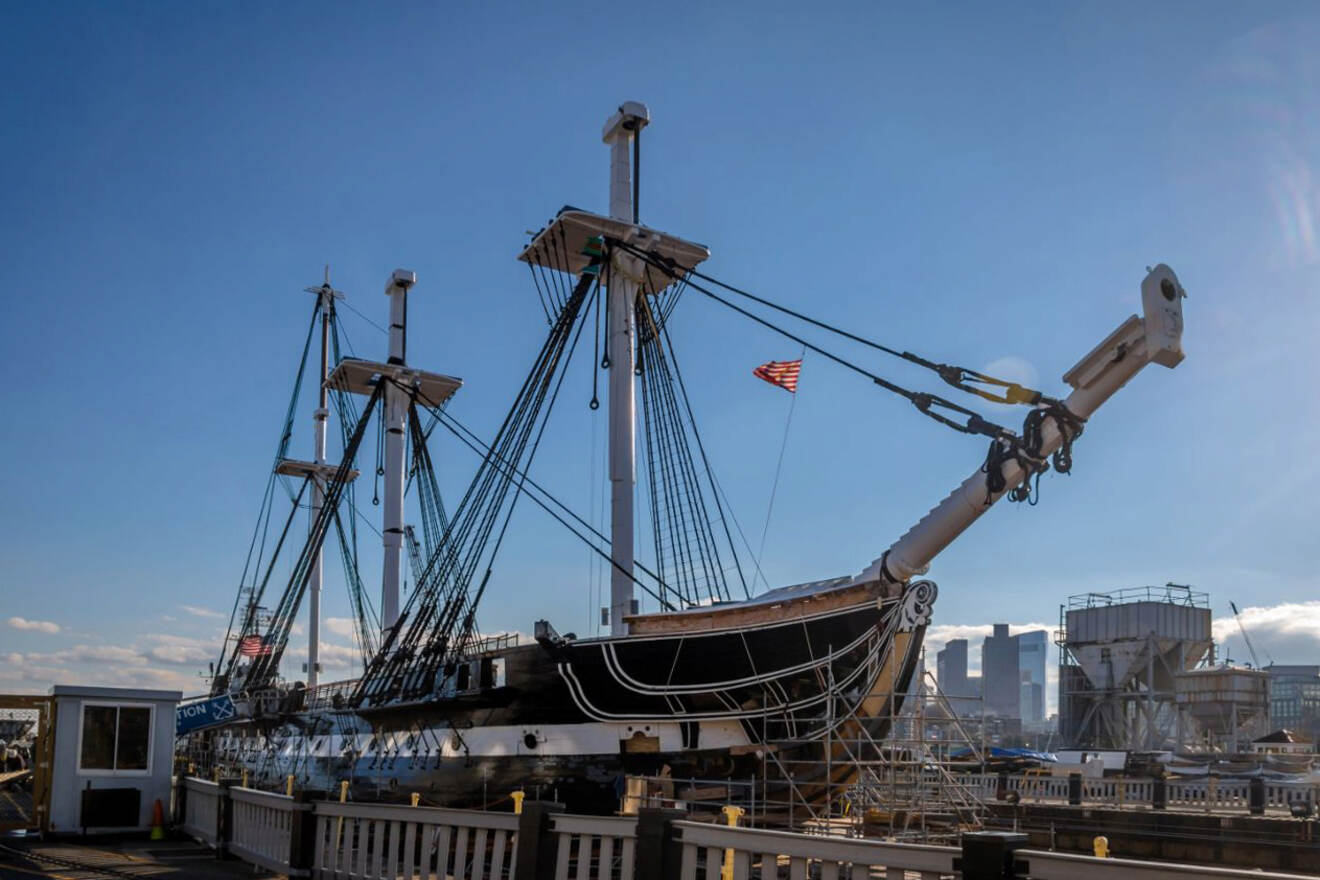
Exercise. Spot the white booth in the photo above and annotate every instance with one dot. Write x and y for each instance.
(114, 755)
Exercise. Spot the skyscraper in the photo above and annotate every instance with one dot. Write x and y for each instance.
(1032, 647)
(951, 669)
(1000, 675)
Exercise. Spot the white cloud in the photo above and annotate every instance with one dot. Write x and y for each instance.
(339, 656)
(198, 611)
(341, 626)
(35, 625)
(182, 655)
(1287, 633)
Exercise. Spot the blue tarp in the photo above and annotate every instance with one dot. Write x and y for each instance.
(1021, 754)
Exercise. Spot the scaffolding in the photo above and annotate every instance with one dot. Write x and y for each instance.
(916, 783)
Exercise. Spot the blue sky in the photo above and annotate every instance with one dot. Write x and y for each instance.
(984, 184)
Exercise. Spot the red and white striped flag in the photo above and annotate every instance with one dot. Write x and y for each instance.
(253, 646)
(781, 373)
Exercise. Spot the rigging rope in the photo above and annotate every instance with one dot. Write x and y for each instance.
(956, 376)
(927, 403)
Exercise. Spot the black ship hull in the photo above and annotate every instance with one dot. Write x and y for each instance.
(809, 679)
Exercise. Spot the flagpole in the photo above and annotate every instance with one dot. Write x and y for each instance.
(774, 488)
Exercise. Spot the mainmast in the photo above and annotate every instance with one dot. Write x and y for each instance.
(620, 133)
(403, 384)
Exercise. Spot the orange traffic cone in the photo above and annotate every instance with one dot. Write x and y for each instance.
(157, 821)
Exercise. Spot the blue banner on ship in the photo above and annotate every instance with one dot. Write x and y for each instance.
(194, 716)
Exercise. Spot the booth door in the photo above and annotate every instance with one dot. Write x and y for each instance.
(27, 730)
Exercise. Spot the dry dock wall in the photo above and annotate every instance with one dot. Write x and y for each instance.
(1270, 843)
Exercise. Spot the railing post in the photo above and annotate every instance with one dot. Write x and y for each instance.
(658, 853)
(1001, 785)
(180, 816)
(989, 855)
(1159, 793)
(302, 831)
(537, 847)
(1075, 789)
(1256, 795)
(224, 816)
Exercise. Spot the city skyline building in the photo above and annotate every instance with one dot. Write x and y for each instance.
(1295, 698)
(1032, 648)
(1001, 675)
(958, 687)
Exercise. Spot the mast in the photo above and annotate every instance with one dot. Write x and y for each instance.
(396, 424)
(320, 416)
(620, 133)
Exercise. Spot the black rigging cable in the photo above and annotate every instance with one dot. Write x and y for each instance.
(929, 404)
(956, 376)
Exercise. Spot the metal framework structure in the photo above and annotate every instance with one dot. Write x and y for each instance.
(1120, 655)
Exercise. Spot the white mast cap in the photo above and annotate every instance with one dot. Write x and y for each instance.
(632, 116)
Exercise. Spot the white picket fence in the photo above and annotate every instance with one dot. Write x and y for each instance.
(262, 831)
(594, 847)
(378, 840)
(202, 805)
(1209, 793)
(757, 854)
(355, 841)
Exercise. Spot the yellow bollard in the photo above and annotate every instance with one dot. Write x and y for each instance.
(339, 825)
(416, 798)
(517, 801)
(215, 773)
(1101, 846)
(245, 778)
(288, 786)
(731, 816)
(192, 769)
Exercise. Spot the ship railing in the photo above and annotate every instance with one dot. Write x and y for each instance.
(264, 829)
(354, 840)
(323, 696)
(493, 643)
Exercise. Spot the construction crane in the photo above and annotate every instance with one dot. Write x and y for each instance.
(1237, 615)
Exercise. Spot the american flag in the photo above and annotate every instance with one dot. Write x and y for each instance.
(781, 373)
(253, 646)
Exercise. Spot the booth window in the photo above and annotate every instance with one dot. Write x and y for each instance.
(115, 738)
